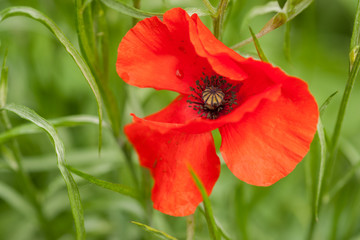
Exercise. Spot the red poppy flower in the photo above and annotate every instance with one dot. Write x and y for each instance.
(267, 119)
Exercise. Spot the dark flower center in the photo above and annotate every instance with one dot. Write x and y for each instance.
(213, 96)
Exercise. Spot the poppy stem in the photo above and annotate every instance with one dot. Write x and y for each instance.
(210, 7)
(218, 18)
(136, 4)
(190, 227)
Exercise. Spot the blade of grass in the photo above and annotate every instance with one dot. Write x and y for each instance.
(295, 7)
(290, 10)
(69, 121)
(321, 134)
(128, 10)
(272, 6)
(88, 42)
(122, 189)
(73, 192)
(258, 47)
(349, 86)
(210, 7)
(221, 231)
(85, 31)
(3, 81)
(355, 38)
(326, 103)
(155, 232)
(214, 233)
(48, 23)
(14, 159)
(354, 69)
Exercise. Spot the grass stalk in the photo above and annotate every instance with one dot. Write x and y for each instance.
(28, 187)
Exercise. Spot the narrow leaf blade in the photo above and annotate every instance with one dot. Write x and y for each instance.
(326, 103)
(48, 23)
(258, 47)
(155, 232)
(104, 184)
(3, 82)
(214, 233)
(69, 121)
(323, 147)
(128, 10)
(73, 191)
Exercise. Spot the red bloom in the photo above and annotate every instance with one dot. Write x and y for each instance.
(267, 119)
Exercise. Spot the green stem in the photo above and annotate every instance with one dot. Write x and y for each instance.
(146, 184)
(125, 149)
(136, 4)
(25, 181)
(218, 18)
(210, 7)
(349, 85)
(190, 227)
(311, 229)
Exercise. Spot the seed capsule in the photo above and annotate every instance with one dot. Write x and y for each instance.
(213, 97)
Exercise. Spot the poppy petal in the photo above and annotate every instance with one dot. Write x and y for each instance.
(162, 54)
(178, 116)
(168, 155)
(269, 142)
(223, 59)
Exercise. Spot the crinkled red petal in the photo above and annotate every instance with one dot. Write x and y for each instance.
(168, 156)
(262, 84)
(173, 54)
(268, 143)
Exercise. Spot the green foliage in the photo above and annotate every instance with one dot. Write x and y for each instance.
(38, 16)
(73, 191)
(214, 233)
(258, 47)
(319, 200)
(128, 10)
(104, 184)
(153, 231)
(3, 82)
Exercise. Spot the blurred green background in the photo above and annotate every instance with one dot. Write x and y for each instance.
(43, 77)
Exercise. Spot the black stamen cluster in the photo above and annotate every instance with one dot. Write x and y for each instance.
(223, 106)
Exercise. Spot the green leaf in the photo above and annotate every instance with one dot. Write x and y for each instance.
(291, 9)
(104, 184)
(128, 10)
(326, 103)
(153, 231)
(85, 30)
(3, 82)
(295, 7)
(355, 38)
(73, 191)
(349, 86)
(258, 47)
(210, 7)
(214, 233)
(198, 11)
(221, 231)
(48, 23)
(321, 134)
(272, 6)
(69, 121)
